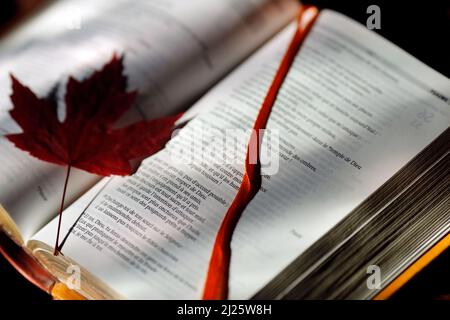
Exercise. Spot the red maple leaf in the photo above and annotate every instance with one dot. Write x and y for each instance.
(86, 139)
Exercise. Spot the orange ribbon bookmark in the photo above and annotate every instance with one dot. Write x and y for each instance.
(216, 285)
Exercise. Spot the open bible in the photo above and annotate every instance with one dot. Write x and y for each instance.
(355, 177)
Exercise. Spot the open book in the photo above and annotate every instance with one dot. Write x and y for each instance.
(356, 179)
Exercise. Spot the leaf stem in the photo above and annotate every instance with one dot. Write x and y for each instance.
(56, 251)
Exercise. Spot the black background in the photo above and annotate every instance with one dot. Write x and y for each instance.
(422, 29)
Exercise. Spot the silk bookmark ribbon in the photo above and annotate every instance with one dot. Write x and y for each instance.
(216, 284)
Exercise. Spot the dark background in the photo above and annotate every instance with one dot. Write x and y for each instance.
(422, 29)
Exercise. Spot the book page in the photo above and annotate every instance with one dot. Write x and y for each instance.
(174, 50)
(353, 110)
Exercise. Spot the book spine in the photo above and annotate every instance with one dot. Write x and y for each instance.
(414, 269)
(25, 263)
